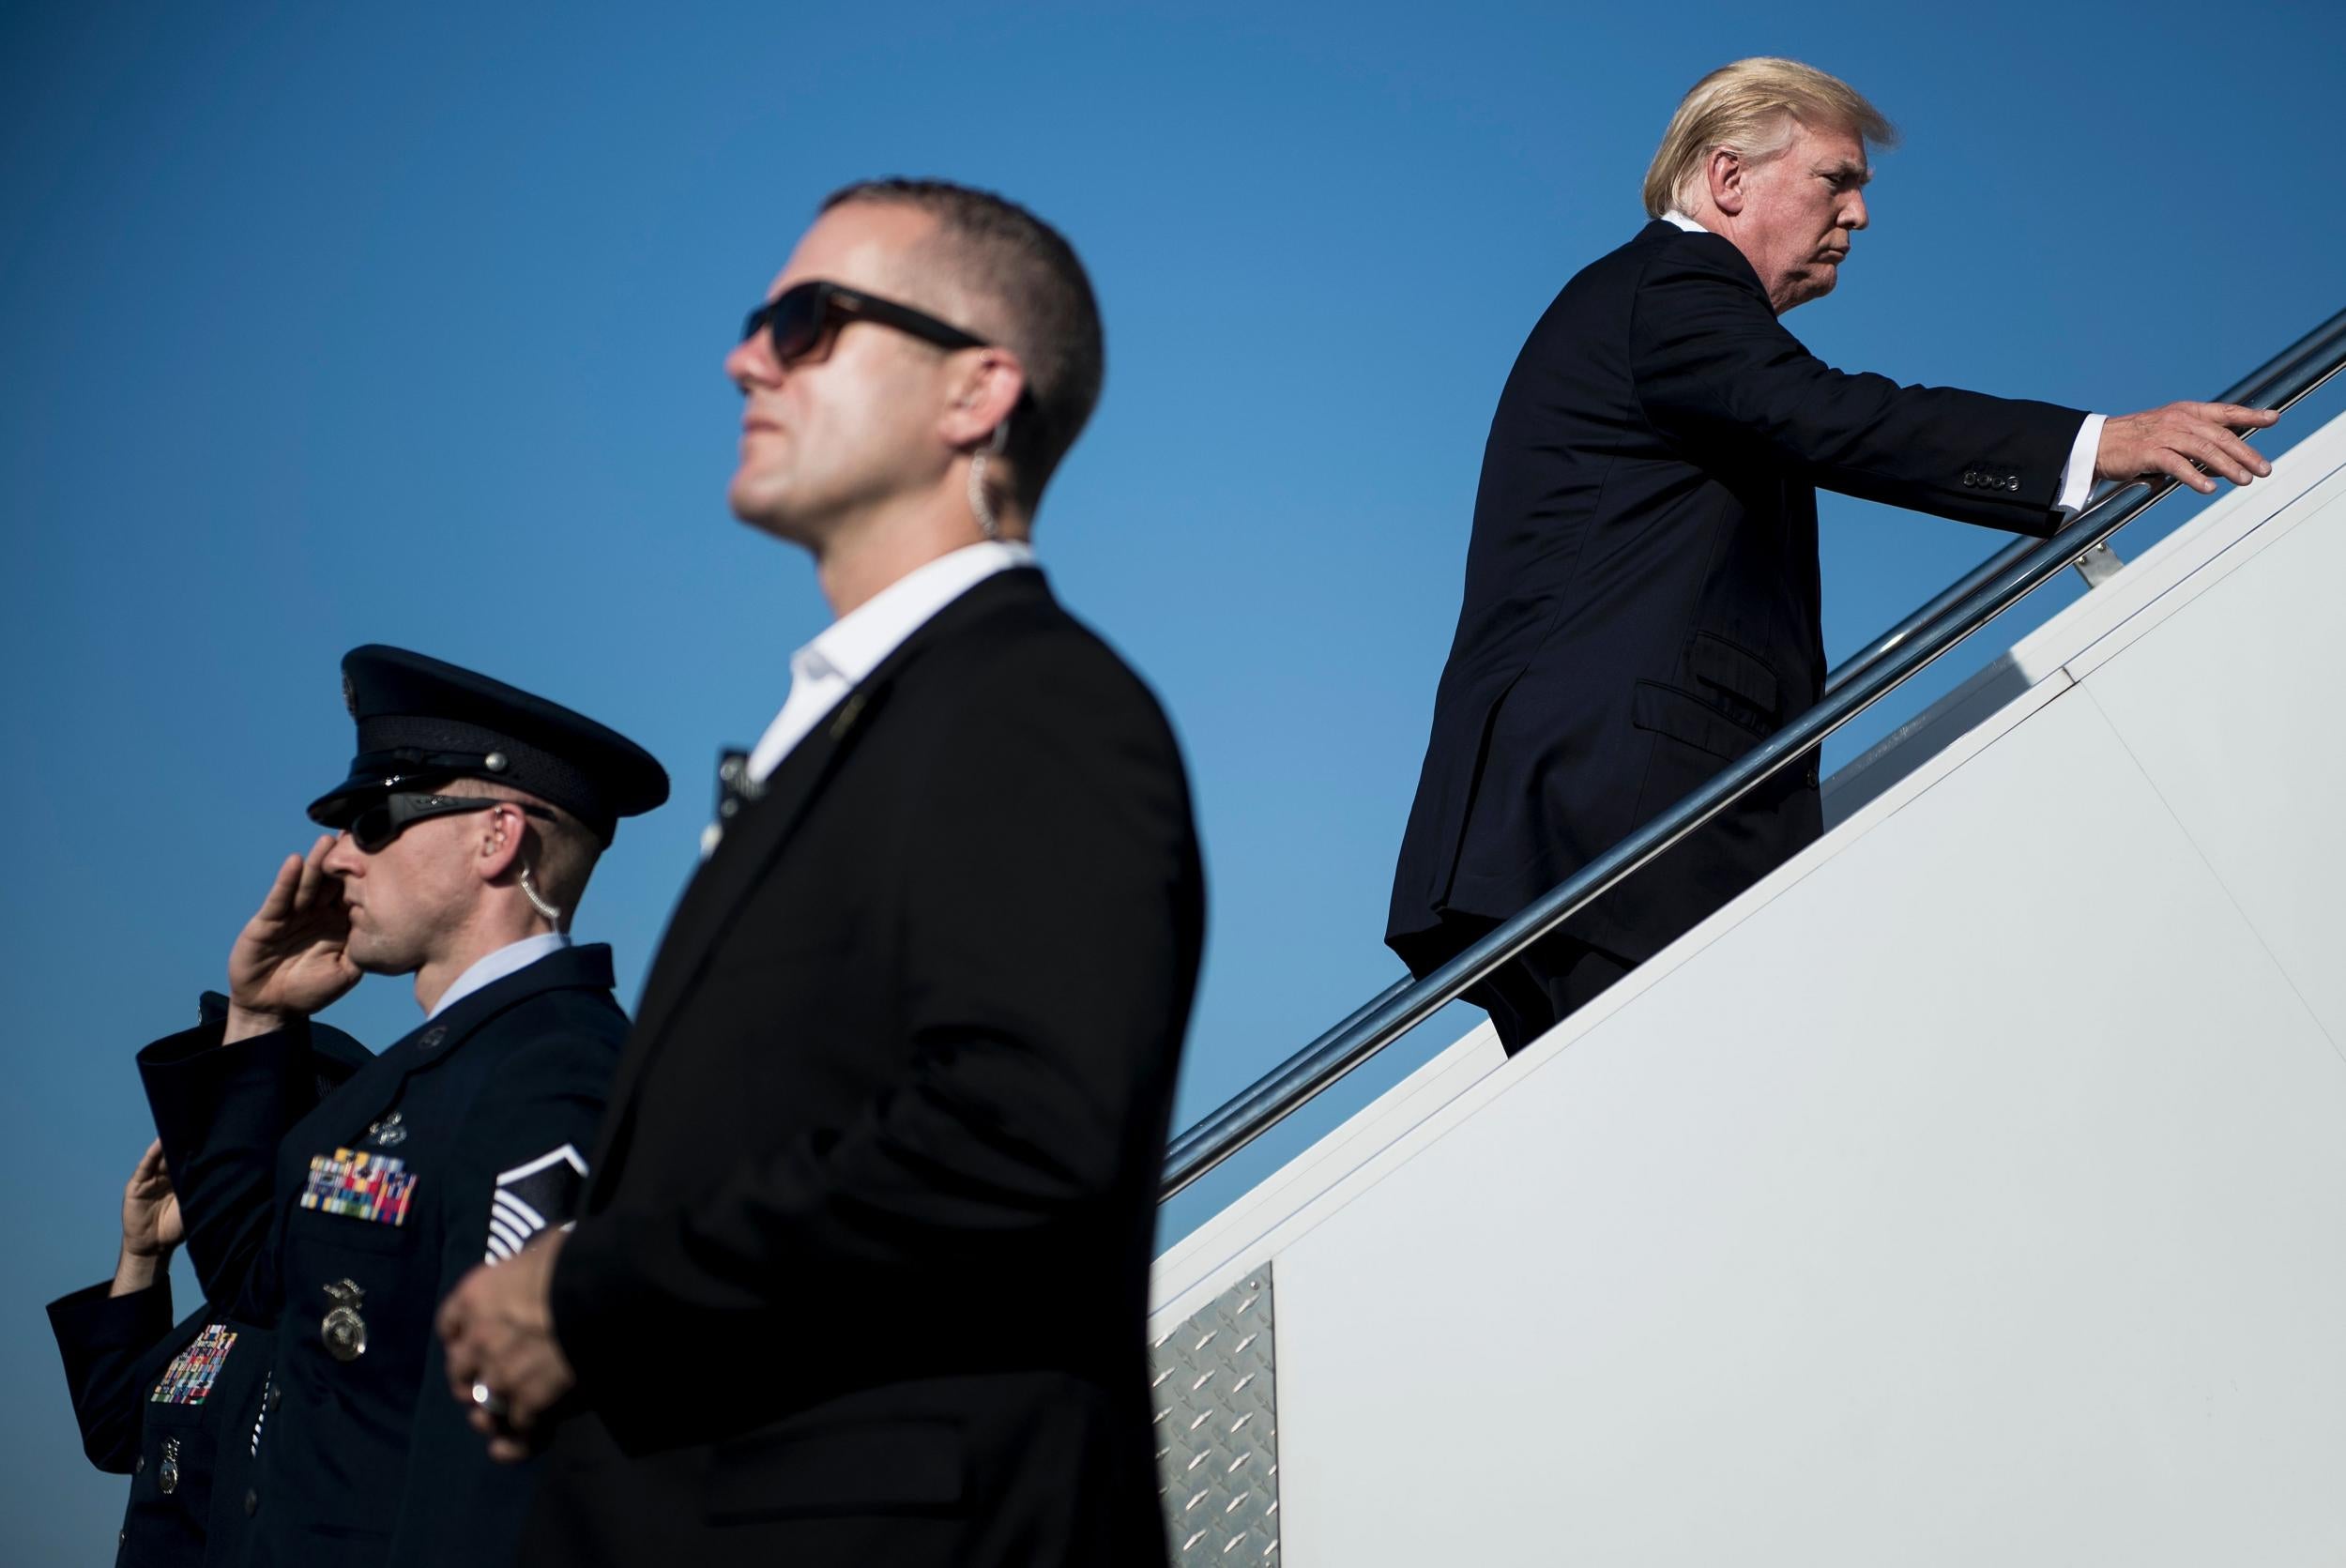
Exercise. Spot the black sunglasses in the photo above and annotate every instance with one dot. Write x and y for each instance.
(376, 825)
(800, 317)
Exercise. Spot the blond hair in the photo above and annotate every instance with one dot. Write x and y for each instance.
(1750, 108)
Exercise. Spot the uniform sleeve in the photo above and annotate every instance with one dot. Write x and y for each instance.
(105, 1342)
(1715, 369)
(1052, 899)
(221, 1111)
(523, 1169)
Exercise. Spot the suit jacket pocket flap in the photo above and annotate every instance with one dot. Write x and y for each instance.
(1716, 661)
(876, 1466)
(1679, 715)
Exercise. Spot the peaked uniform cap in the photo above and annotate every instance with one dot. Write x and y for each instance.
(421, 720)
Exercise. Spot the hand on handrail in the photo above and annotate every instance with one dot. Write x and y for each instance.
(2189, 440)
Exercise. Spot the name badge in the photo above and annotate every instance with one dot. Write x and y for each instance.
(361, 1184)
(189, 1379)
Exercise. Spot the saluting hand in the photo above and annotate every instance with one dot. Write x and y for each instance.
(2183, 439)
(292, 958)
(151, 1227)
(504, 1364)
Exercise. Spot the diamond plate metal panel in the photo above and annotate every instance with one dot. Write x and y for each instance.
(1217, 1430)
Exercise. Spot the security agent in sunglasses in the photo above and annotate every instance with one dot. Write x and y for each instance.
(862, 1269)
(172, 1406)
(467, 827)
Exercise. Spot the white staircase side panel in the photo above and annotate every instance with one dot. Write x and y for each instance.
(1909, 1222)
(1213, 1258)
(2254, 765)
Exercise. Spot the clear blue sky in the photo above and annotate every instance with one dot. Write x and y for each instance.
(326, 325)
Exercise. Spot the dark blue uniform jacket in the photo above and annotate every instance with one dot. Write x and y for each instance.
(453, 1147)
(174, 1407)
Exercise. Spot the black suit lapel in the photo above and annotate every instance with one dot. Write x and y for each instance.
(752, 840)
(757, 835)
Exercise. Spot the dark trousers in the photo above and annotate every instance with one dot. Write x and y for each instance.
(1555, 979)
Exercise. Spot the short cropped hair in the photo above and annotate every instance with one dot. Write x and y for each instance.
(1750, 108)
(567, 849)
(1001, 250)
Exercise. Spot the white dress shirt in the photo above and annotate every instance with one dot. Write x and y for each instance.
(489, 968)
(852, 647)
(2077, 475)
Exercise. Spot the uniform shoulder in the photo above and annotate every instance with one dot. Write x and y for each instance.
(557, 1038)
(538, 1078)
(579, 1020)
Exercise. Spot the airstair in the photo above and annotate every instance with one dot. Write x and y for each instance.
(1972, 1190)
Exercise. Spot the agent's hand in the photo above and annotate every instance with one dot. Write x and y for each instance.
(291, 959)
(151, 1227)
(504, 1364)
(2172, 440)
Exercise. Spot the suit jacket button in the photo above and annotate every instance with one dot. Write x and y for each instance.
(276, 1397)
(252, 1502)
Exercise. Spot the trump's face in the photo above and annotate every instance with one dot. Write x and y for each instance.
(1799, 209)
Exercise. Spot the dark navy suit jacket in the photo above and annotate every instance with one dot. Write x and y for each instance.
(862, 1275)
(1641, 600)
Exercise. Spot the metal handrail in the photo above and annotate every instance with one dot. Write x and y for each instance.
(2273, 372)
(1913, 643)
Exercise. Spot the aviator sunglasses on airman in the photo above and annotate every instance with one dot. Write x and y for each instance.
(378, 824)
(801, 318)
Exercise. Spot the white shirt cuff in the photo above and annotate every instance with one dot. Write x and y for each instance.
(2077, 477)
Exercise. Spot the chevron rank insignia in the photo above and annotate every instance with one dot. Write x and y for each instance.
(538, 1195)
(189, 1379)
